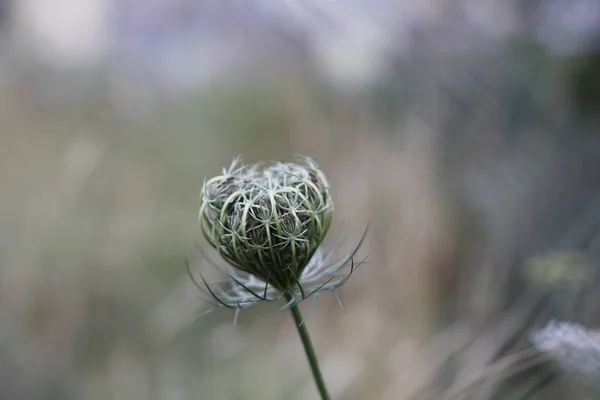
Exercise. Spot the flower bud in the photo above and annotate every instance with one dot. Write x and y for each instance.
(267, 220)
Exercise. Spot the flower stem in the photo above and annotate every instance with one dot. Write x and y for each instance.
(310, 351)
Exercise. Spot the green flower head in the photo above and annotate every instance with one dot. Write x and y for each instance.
(267, 220)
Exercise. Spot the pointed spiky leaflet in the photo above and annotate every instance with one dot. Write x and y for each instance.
(268, 221)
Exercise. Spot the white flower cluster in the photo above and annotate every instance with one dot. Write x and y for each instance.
(575, 348)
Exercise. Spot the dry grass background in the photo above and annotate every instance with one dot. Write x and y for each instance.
(98, 211)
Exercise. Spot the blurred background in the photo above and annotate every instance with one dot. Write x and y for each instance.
(464, 132)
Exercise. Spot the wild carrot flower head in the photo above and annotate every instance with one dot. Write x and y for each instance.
(268, 221)
(575, 349)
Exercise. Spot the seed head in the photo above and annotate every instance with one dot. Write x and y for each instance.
(267, 220)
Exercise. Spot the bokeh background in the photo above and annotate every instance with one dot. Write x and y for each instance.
(464, 132)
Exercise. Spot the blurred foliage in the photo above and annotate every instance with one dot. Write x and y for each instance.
(558, 268)
(585, 77)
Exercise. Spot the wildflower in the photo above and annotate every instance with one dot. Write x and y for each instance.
(268, 222)
(576, 349)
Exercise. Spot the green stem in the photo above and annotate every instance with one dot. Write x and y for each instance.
(310, 351)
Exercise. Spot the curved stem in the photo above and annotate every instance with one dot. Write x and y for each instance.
(310, 351)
